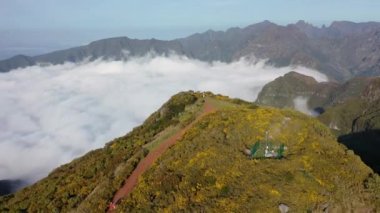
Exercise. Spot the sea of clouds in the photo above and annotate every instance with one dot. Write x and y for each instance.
(52, 114)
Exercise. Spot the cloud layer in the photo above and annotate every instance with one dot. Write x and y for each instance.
(50, 115)
(300, 104)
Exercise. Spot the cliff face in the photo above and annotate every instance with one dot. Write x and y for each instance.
(207, 169)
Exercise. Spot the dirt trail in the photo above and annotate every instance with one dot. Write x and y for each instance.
(148, 161)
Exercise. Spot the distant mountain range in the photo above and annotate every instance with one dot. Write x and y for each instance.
(342, 50)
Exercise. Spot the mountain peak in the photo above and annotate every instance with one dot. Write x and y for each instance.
(260, 25)
(302, 23)
(298, 76)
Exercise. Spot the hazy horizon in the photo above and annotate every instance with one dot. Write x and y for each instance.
(39, 41)
(33, 27)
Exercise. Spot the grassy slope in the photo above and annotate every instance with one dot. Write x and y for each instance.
(207, 171)
(88, 183)
(282, 91)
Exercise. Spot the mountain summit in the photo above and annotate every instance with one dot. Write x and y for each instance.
(191, 155)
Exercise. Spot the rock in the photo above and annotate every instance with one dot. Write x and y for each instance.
(283, 208)
(247, 151)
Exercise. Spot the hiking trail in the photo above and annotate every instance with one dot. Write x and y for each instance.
(152, 156)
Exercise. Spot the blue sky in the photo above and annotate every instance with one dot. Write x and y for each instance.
(61, 23)
(151, 15)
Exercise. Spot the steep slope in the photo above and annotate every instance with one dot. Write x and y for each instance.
(341, 51)
(154, 154)
(349, 107)
(366, 144)
(207, 170)
(8, 186)
(358, 122)
(19, 61)
(88, 183)
(354, 106)
(351, 110)
(121, 48)
(284, 90)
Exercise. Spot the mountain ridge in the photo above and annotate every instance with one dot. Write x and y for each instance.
(341, 51)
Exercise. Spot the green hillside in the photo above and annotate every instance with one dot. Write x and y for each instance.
(353, 106)
(282, 91)
(207, 169)
(88, 183)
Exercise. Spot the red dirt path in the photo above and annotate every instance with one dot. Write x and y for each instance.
(148, 161)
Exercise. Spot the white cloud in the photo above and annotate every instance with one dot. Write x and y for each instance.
(51, 114)
(301, 104)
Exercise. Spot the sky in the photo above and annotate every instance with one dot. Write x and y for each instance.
(167, 14)
(35, 26)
